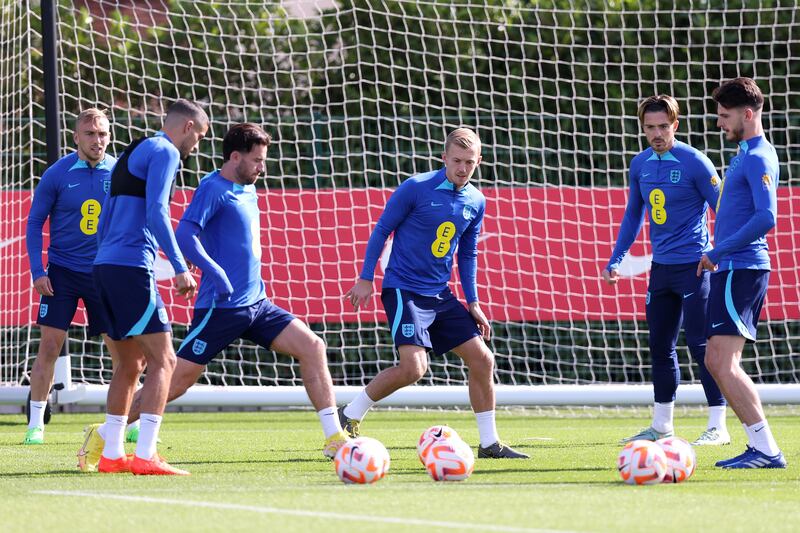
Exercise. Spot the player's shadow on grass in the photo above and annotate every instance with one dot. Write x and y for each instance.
(281, 460)
(564, 444)
(48, 473)
(535, 470)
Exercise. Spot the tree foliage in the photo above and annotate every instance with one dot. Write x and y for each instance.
(365, 93)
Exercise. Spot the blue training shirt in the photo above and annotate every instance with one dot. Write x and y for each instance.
(747, 208)
(228, 216)
(429, 218)
(676, 189)
(71, 193)
(132, 228)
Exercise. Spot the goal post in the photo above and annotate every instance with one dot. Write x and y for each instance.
(360, 94)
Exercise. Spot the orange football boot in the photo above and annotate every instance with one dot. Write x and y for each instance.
(156, 466)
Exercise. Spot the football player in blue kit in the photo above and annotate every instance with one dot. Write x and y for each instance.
(70, 194)
(675, 184)
(220, 234)
(432, 215)
(134, 223)
(739, 264)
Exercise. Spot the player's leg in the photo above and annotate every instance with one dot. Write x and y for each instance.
(137, 314)
(160, 359)
(130, 364)
(132, 429)
(297, 340)
(100, 324)
(103, 443)
(735, 303)
(300, 342)
(723, 355)
(412, 365)
(185, 375)
(409, 316)
(455, 330)
(55, 315)
(695, 305)
(664, 315)
(41, 378)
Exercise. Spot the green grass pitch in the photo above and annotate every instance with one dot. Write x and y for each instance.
(263, 471)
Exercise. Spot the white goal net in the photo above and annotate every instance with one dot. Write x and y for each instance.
(359, 95)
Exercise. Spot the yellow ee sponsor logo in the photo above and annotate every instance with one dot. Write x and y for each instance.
(444, 235)
(658, 213)
(90, 211)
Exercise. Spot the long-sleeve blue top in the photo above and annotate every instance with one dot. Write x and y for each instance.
(71, 194)
(747, 208)
(429, 218)
(675, 188)
(220, 233)
(132, 228)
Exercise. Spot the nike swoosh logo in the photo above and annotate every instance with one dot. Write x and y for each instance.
(759, 429)
(717, 325)
(434, 204)
(645, 175)
(9, 242)
(687, 295)
(72, 185)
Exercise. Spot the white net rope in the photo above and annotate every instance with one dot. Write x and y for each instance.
(18, 150)
(359, 95)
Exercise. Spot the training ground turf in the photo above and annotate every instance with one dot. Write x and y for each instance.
(264, 471)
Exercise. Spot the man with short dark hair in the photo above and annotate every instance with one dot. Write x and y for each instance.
(220, 233)
(133, 225)
(740, 265)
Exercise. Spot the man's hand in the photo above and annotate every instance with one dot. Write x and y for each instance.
(43, 286)
(480, 320)
(186, 285)
(611, 277)
(361, 293)
(705, 264)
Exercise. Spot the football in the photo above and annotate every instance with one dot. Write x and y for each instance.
(681, 459)
(431, 435)
(642, 462)
(362, 460)
(449, 460)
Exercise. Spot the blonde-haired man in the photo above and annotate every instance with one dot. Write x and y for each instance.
(70, 194)
(431, 215)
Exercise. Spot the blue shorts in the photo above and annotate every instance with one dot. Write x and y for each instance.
(735, 302)
(131, 300)
(439, 322)
(213, 329)
(69, 286)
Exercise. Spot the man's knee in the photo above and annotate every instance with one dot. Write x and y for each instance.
(715, 361)
(130, 367)
(414, 367)
(50, 344)
(482, 362)
(169, 361)
(316, 347)
(183, 378)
